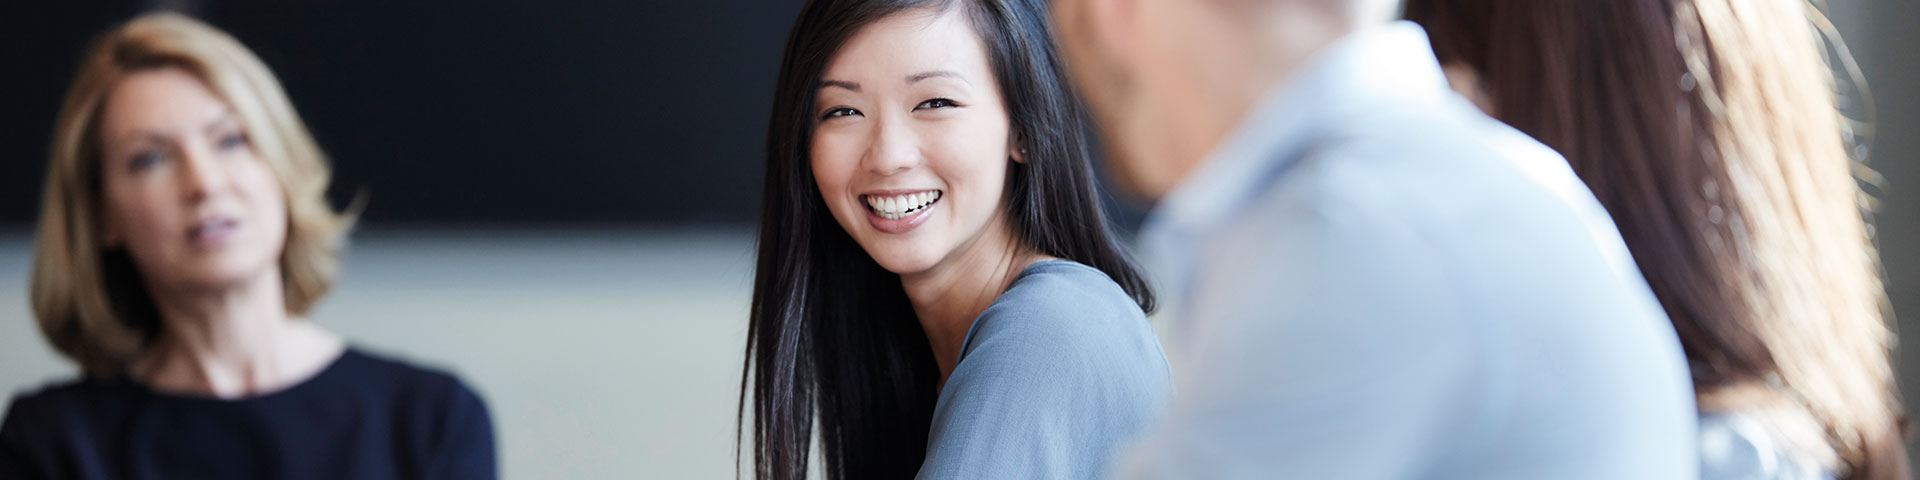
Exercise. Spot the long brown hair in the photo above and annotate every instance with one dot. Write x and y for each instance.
(1708, 129)
(834, 353)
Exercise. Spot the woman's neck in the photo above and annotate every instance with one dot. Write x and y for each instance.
(232, 342)
(948, 297)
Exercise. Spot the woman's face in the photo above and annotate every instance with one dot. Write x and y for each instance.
(182, 189)
(912, 140)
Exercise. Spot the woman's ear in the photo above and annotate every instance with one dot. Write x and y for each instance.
(1017, 150)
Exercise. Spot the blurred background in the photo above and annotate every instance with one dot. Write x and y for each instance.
(561, 197)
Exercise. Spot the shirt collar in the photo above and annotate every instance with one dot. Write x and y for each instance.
(1379, 68)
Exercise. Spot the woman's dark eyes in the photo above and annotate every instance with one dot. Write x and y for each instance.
(839, 112)
(936, 103)
(929, 104)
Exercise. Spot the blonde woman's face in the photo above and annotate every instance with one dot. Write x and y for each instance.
(182, 190)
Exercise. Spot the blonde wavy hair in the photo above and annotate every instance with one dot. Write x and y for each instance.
(89, 300)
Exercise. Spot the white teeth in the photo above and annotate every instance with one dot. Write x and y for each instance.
(899, 206)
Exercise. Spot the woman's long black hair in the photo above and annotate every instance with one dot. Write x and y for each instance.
(832, 340)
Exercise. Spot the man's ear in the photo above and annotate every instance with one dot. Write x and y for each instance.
(1101, 29)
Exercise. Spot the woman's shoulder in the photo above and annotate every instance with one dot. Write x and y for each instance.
(58, 394)
(53, 397)
(442, 412)
(449, 415)
(413, 382)
(1063, 297)
(1064, 361)
(55, 408)
(1061, 310)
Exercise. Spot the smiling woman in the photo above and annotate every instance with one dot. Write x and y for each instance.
(183, 237)
(936, 287)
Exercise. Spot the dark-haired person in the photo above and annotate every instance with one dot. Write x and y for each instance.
(1721, 158)
(184, 235)
(1371, 278)
(936, 289)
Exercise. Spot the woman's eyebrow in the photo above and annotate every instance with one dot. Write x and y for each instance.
(916, 78)
(911, 79)
(137, 137)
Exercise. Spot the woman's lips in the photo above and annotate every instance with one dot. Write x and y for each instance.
(213, 231)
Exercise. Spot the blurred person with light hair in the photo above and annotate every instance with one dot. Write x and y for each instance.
(1708, 128)
(1368, 277)
(183, 238)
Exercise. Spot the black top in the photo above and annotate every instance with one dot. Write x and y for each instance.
(363, 417)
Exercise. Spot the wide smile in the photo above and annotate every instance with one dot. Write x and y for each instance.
(900, 211)
(894, 207)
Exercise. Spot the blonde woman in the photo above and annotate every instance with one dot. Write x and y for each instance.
(184, 235)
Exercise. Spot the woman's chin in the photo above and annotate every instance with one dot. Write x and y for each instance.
(904, 261)
(218, 273)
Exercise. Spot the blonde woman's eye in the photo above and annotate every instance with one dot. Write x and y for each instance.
(233, 141)
(145, 160)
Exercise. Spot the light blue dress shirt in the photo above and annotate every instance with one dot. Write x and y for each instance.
(1054, 378)
(1371, 279)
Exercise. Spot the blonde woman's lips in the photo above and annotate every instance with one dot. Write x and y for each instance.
(213, 231)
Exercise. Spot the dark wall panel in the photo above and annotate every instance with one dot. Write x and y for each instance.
(483, 111)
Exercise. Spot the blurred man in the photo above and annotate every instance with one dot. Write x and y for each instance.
(1370, 278)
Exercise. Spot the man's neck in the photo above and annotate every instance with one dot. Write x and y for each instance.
(1245, 60)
